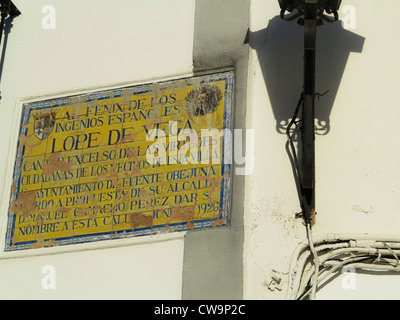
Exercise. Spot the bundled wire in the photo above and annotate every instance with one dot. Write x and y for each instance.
(336, 251)
(314, 263)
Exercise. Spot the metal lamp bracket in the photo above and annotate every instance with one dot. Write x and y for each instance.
(310, 14)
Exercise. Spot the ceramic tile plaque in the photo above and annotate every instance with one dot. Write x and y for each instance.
(120, 163)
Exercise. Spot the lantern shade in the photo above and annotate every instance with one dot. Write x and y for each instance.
(322, 6)
(327, 5)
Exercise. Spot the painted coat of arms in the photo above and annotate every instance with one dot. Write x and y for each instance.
(203, 100)
(44, 123)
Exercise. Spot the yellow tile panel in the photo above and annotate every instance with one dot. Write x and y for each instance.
(120, 160)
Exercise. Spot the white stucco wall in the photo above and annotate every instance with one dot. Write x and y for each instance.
(357, 161)
(96, 44)
(128, 271)
(105, 44)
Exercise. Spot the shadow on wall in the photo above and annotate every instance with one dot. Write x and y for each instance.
(7, 29)
(280, 52)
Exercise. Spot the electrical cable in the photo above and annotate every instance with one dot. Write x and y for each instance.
(392, 252)
(341, 250)
(290, 140)
(323, 275)
(316, 262)
(303, 202)
(365, 251)
(301, 262)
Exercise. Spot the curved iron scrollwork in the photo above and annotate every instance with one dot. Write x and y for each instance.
(327, 10)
